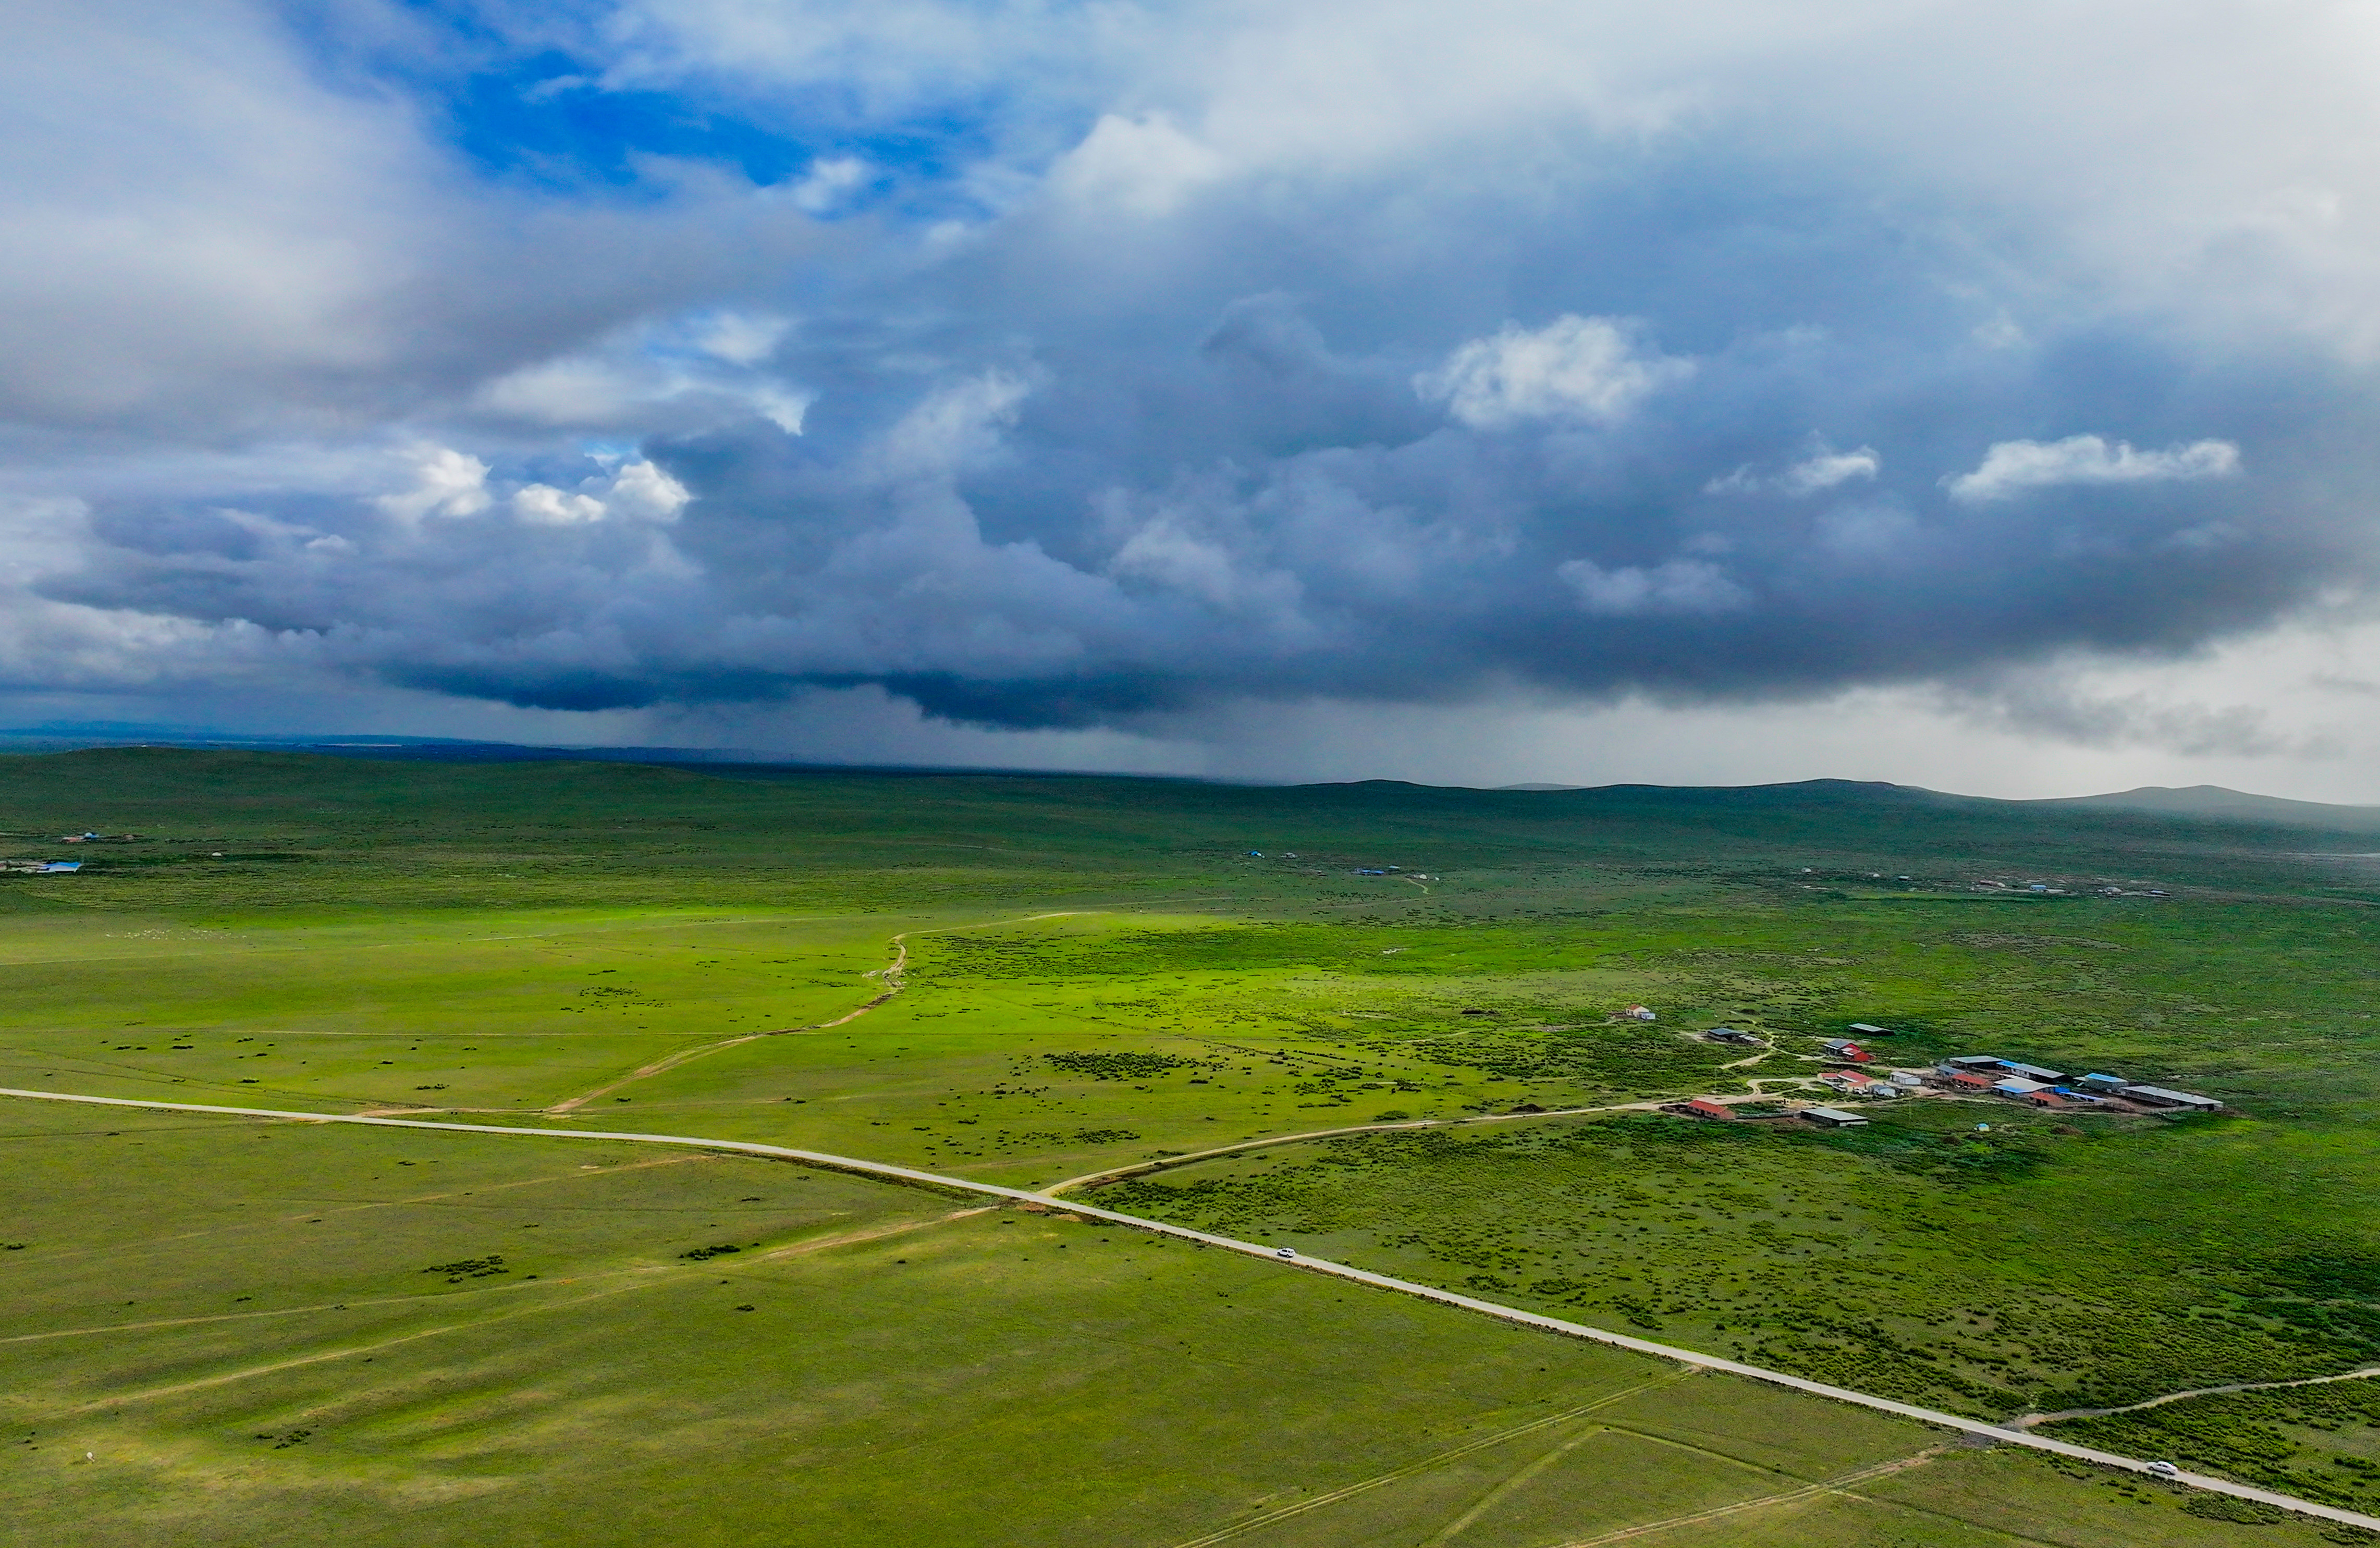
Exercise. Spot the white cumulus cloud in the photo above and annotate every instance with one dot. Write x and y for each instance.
(1574, 368)
(639, 491)
(2012, 467)
(1823, 470)
(446, 483)
(1142, 166)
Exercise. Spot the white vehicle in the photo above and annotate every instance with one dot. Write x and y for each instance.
(1285, 1252)
(2165, 1470)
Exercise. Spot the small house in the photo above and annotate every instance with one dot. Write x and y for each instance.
(1973, 1061)
(2158, 1096)
(2017, 1086)
(1843, 1047)
(1869, 1028)
(1731, 1035)
(1832, 1118)
(2031, 1072)
(2047, 1096)
(1968, 1080)
(1637, 1013)
(1703, 1107)
(2105, 1083)
(1907, 1080)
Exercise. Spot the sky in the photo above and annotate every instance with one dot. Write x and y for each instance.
(1980, 396)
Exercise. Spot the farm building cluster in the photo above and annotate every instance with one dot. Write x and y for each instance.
(57, 867)
(1855, 1072)
(1988, 1074)
(2053, 890)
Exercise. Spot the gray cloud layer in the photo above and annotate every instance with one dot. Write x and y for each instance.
(1327, 351)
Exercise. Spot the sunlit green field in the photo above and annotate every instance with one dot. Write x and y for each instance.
(1034, 981)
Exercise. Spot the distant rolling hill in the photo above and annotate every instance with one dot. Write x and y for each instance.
(2204, 802)
(2198, 803)
(2231, 805)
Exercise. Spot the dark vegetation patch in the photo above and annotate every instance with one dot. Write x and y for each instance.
(1124, 1066)
(2230, 1508)
(1909, 1258)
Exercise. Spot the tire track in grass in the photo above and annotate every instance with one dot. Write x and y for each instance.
(792, 1250)
(1509, 1487)
(1411, 1469)
(294, 1362)
(347, 1206)
(1792, 1496)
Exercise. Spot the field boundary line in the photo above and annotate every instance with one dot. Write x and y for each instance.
(1513, 1314)
(1518, 1480)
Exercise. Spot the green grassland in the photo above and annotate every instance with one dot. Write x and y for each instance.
(1024, 980)
(401, 1337)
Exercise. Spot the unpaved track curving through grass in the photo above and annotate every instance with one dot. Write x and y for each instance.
(1141, 1169)
(888, 976)
(2011, 1436)
(2029, 1420)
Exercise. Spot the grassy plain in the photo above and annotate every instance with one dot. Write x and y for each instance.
(410, 1338)
(1096, 973)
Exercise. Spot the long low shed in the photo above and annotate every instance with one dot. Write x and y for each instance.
(2158, 1096)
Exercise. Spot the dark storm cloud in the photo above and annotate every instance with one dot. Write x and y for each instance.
(1427, 409)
